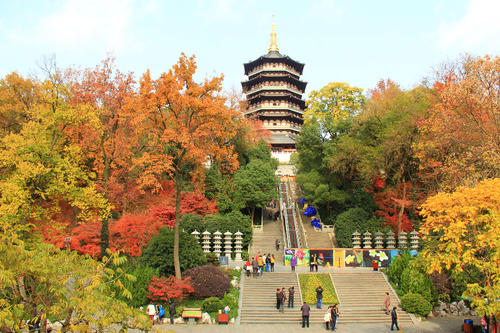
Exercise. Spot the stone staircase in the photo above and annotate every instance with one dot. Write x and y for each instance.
(361, 293)
(264, 242)
(259, 299)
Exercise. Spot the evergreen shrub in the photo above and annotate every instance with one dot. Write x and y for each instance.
(398, 265)
(212, 304)
(414, 280)
(208, 281)
(354, 219)
(415, 303)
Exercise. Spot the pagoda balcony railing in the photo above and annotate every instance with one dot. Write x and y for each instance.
(273, 107)
(273, 69)
(282, 88)
(282, 128)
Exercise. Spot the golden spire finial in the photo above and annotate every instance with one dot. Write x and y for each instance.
(274, 43)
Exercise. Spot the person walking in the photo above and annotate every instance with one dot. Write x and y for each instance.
(260, 263)
(248, 267)
(305, 314)
(273, 260)
(315, 262)
(291, 292)
(484, 324)
(277, 244)
(293, 262)
(255, 267)
(268, 262)
(387, 303)
(278, 298)
(171, 311)
(319, 296)
(151, 312)
(311, 265)
(283, 299)
(264, 260)
(327, 318)
(334, 315)
(394, 316)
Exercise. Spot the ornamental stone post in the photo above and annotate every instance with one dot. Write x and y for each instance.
(367, 240)
(238, 240)
(227, 244)
(356, 240)
(414, 240)
(391, 240)
(206, 241)
(217, 243)
(379, 242)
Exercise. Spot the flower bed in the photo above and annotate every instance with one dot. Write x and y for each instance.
(309, 283)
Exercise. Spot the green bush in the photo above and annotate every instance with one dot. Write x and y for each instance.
(354, 219)
(159, 252)
(414, 280)
(191, 222)
(212, 304)
(139, 287)
(212, 259)
(445, 298)
(397, 267)
(415, 303)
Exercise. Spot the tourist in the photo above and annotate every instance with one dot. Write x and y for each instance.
(315, 262)
(255, 267)
(387, 303)
(394, 316)
(151, 310)
(319, 296)
(264, 260)
(273, 260)
(171, 310)
(278, 298)
(291, 292)
(268, 262)
(248, 267)
(277, 244)
(283, 299)
(260, 263)
(327, 317)
(161, 312)
(305, 314)
(484, 324)
(334, 314)
(293, 262)
(311, 265)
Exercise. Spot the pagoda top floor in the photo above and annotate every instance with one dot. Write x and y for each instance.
(271, 62)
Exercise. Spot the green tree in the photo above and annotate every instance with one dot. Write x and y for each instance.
(354, 219)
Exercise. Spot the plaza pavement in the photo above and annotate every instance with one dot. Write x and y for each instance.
(439, 325)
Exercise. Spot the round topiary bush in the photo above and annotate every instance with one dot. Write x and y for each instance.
(207, 281)
(415, 303)
(212, 304)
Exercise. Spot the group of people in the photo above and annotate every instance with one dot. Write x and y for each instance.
(313, 263)
(281, 298)
(259, 264)
(393, 312)
(157, 313)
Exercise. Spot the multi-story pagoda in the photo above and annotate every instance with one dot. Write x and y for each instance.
(274, 95)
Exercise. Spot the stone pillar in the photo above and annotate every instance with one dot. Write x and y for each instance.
(367, 240)
(238, 240)
(379, 240)
(196, 235)
(391, 240)
(227, 244)
(356, 240)
(414, 240)
(206, 241)
(402, 241)
(217, 243)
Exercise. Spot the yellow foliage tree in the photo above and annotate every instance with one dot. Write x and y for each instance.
(462, 231)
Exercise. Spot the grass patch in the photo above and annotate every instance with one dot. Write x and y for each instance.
(309, 283)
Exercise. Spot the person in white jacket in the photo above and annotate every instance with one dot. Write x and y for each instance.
(328, 317)
(151, 310)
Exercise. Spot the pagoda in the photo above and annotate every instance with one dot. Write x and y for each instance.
(274, 96)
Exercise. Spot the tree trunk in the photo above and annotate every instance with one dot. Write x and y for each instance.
(177, 264)
(252, 214)
(104, 236)
(400, 215)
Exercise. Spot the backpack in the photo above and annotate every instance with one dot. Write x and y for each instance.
(161, 312)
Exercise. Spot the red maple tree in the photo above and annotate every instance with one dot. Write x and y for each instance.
(162, 289)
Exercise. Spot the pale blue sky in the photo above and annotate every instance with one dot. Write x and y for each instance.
(358, 42)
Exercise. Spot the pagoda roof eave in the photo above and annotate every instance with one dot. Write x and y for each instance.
(266, 58)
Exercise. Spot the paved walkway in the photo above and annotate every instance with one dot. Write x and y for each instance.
(440, 325)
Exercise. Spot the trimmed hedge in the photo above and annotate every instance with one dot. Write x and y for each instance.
(212, 304)
(415, 303)
(354, 219)
(208, 281)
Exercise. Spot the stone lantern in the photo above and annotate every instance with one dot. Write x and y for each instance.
(367, 240)
(414, 240)
(402, 240)
(379, 241)
(356, 240)
(238, 240)
(196, 235)
(227, 244)
(217, 243)
(206, 241)
(391, 240)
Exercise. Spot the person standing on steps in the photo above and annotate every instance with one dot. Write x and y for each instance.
(334, 315)
(255, 267)
(315, 262)
(278, 298)
(305, 314)
(328, 317)
(319, 296)
(171, 310)
(291, 291)
(277, 244)
(268, 262)
(387, 303)
(260, 263)
(394, 316)
(293, 262)
(273, 260)
(283, 299)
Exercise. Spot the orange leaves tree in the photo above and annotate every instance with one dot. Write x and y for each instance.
(183, 126)
(463, 233)
(460, 136)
